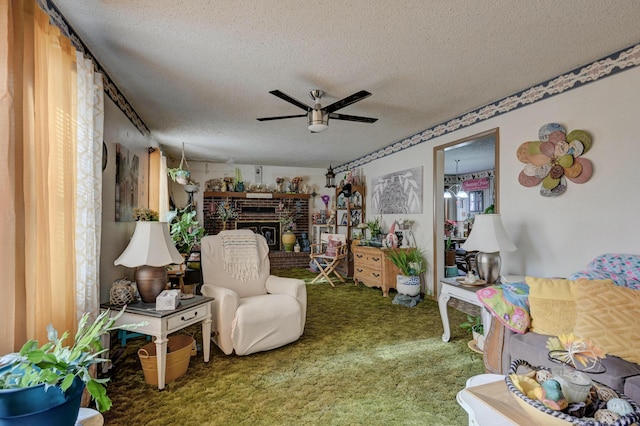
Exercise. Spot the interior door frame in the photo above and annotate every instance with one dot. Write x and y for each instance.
(438, 198)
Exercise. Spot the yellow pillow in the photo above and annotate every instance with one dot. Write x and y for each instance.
(607, 315)
(552, 305)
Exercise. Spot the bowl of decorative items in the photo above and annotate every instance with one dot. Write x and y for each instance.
(565, 392)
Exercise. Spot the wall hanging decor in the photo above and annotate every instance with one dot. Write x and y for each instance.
(555, 158)
(127, 168)
(399, 192)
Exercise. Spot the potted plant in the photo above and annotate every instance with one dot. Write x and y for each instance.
(287, 218)
(411, 264)
(238, 183)
(179, 175)
(449, 253)
(186, 231)
(474, 325)
(375, 228)
(43, 385)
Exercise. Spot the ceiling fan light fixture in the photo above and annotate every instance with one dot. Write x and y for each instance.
(318, 121)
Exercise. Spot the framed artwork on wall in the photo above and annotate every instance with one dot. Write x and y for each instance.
(127, 170)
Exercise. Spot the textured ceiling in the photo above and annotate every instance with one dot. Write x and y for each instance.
(200, 71)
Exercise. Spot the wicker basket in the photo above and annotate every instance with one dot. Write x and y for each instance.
(178, 356)
(534, 406)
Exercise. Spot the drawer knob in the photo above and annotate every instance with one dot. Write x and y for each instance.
(376, 259)
(359, 269)
(195, 314)
(359, 256)
(375, 274)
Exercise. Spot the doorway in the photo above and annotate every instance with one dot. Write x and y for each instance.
(475, 155)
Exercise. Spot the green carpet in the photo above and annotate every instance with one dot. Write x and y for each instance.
(361, 360)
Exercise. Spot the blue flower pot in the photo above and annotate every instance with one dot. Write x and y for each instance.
(35, 406)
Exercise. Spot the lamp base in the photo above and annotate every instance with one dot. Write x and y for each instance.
(488, 265)
(151, 280)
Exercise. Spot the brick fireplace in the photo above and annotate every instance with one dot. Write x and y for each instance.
(261, 215)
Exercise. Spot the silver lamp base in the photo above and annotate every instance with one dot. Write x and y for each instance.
(488, 265)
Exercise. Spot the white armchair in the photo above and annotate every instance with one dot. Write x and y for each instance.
(253, 310)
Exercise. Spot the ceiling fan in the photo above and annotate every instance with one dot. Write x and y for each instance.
(318, 116)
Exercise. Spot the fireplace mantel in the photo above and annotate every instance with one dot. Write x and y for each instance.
(259, 208)
(255, 195)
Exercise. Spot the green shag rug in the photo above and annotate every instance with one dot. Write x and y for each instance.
(361, 360)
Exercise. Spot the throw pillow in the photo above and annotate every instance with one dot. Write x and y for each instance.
(606, 314)
(332, 247)
(553, 303)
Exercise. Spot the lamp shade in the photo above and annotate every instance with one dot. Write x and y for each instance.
(150, 245)
(488, 235)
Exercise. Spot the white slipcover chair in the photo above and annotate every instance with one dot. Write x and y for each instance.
(256, 314)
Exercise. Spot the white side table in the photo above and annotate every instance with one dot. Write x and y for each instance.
(479, 413)
(451, 288)
(162, 323)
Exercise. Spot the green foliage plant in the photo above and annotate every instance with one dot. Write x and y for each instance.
(411, 262)
(449, 244)
(374, 226)
(53, 364)
(186, 231)
(473, 323)
(178, 172)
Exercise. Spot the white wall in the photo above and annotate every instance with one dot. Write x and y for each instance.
(116, 235)
(554, 236)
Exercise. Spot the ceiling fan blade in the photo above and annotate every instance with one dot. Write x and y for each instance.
(289, 99)
(352, 118)
(280, 117)
(347, 101)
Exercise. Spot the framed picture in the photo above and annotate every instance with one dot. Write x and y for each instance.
(343, 220)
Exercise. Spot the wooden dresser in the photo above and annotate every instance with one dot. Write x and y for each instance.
(372, 268)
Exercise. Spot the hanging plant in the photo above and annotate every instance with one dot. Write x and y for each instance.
(180, 174)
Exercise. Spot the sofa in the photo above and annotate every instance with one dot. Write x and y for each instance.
(600, 303)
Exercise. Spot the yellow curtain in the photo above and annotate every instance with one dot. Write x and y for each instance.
(39, 102)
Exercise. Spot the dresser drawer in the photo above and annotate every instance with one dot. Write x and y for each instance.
(189, 316)
(372, 277)
(368, 259)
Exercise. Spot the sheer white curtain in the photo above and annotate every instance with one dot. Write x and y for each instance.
(90, 125)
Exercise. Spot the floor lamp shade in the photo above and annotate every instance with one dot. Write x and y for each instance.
(150, 250)
(489, 238)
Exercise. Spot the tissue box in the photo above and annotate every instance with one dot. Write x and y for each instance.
(168, 300)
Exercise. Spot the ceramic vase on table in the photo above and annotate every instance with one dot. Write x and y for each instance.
(288, 240)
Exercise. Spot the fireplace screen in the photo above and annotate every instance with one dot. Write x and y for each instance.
(269, 230)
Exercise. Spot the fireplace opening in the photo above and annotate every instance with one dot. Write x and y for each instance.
(270, 230)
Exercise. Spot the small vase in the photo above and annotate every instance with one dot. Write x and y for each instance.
(288, 240)
(240, 187)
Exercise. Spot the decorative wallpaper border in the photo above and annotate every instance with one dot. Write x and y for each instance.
(109, 86)
(610, 65)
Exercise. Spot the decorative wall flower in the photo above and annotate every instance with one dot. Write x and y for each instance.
(555, 158)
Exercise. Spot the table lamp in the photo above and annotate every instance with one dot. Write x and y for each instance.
(150, 251)
(489, 238)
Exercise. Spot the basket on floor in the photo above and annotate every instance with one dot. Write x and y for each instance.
(178, 356)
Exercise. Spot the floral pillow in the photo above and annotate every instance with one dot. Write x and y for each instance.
(332, 247)
(509, 304)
